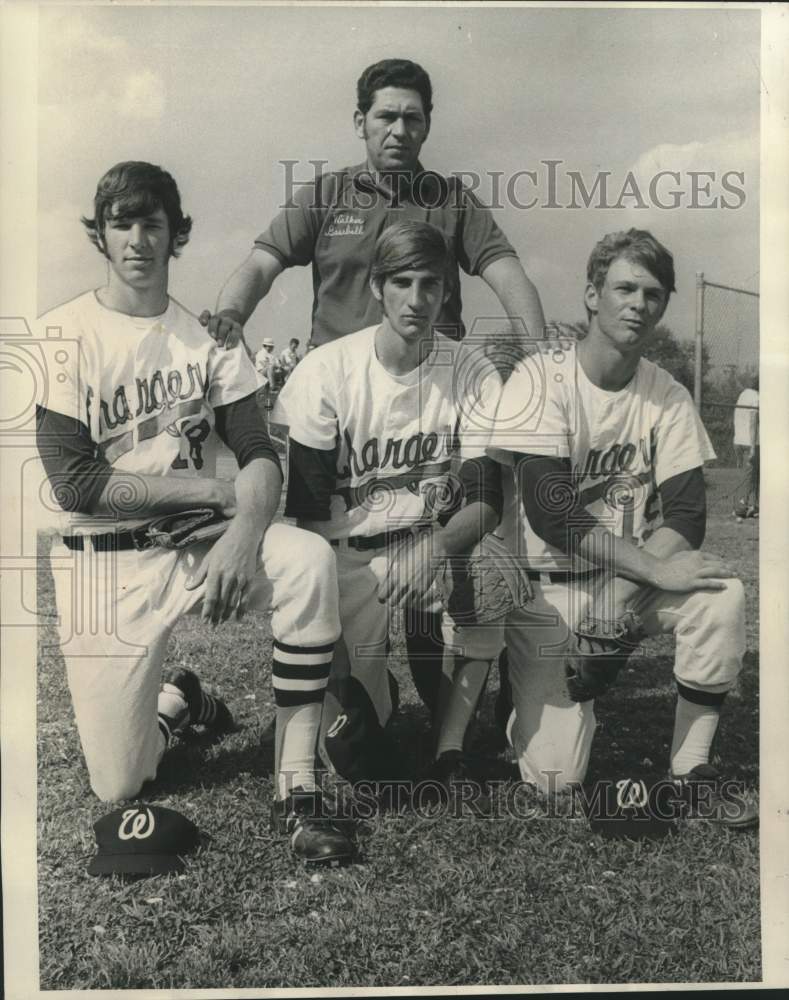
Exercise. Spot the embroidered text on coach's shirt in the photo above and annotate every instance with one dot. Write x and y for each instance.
(345, 224)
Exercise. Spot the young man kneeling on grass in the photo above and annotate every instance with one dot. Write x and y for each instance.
(612, 514)
(129, 432)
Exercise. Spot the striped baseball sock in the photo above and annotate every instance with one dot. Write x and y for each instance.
(695, 724)
(299, 675)
(467, 682)
(172, 710)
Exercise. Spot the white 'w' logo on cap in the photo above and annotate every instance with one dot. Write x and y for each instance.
(142, 826)
(631, 794)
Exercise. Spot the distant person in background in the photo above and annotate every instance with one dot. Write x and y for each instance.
(746, 447)
(268, 370)
(289, 358)
(746, 423)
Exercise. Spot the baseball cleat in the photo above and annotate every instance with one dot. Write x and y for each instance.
(705, 794)
(449, 780)
(314, 839)
(204, 709)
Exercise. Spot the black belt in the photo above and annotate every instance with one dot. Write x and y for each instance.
(110, 541)
(363, 543)
(562, 575)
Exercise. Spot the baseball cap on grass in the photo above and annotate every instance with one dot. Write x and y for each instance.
(631, 808)
(142, 840)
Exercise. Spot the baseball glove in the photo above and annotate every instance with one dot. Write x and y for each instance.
(601, 648)
(177, 531)
(484, 586)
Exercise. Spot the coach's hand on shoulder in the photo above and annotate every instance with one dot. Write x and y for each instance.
(228, 570)
(225, 326)
(685, 571)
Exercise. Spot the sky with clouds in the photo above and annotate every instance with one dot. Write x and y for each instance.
(219, 95)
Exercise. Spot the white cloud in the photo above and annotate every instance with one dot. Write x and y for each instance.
(87, 73)
(735, 152)
(142, 96)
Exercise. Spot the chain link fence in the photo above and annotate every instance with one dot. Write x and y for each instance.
(726, 365)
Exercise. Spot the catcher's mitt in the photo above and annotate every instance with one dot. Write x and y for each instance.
(484, 586)
(177, 531)
(601, 648)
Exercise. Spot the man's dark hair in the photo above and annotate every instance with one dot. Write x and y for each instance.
(394, 73)
(409, 246)
(132, 189)
(294, 340)
(638, 246)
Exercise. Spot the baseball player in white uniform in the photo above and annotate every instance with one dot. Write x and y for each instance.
(387, 433)
(130, 430)
(608, 452)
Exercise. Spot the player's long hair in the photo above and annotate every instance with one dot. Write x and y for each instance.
(409, 246)
(394, 73)
(638, 246)
(132, 189)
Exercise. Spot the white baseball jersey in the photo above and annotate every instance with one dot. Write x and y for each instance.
(398, 437)
(622, 445)
(746, 419)
(146, 389)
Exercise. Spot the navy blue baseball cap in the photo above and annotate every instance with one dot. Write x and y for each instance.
(633, 808)
(142, 840)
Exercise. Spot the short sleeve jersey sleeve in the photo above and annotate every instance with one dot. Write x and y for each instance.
(231, 376)
(682, 441)
(478, 408)
(292, 233)
(480, 240)
(536, 413)
(306, 404)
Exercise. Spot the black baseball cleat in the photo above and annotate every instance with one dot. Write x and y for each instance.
(204, 709)
(314, 838)
(449, 782)
(704, 794)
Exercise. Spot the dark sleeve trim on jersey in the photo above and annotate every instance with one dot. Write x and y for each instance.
(312, 474)
(77, 476)
(684, 502)
(241, 426)
(552, 502)
(481, 481)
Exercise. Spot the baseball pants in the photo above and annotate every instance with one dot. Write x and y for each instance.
(364, 648)
(552, 735)
(116, 612)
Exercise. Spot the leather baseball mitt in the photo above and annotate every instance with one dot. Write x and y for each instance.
(484, 586)
(177, 531)
(600, 649)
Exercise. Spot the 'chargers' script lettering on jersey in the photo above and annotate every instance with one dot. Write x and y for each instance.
(618, 458)
(160, 391)
(396, 453)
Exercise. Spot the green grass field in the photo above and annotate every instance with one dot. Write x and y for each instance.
(429, 902)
